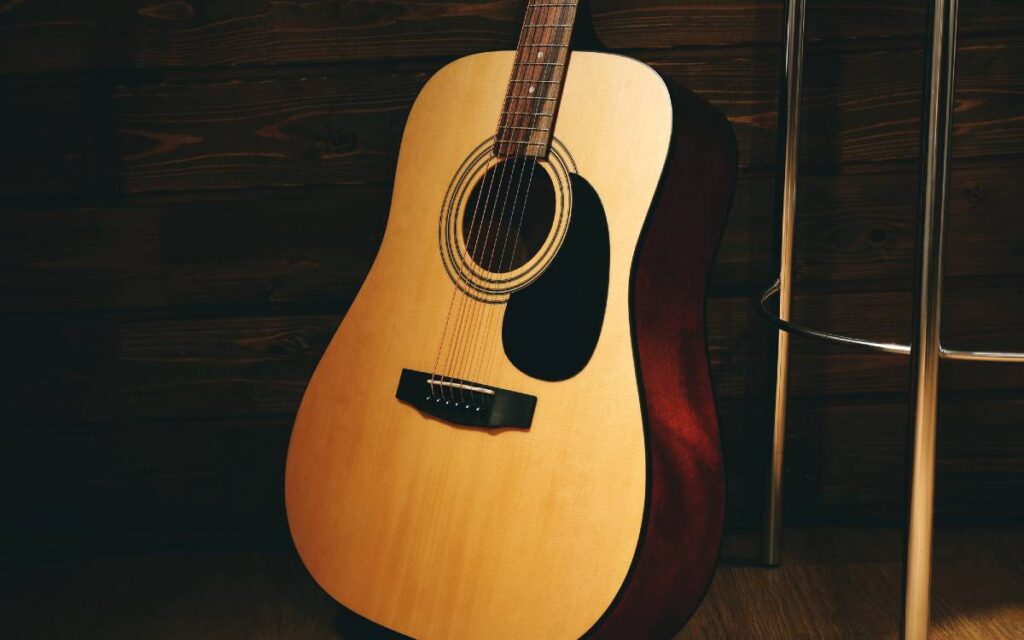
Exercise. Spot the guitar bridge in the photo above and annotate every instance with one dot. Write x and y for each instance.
(464, 402)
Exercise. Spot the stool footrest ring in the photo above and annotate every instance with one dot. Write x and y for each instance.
(883, 347)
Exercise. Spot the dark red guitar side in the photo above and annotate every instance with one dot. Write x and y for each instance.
(682, 529)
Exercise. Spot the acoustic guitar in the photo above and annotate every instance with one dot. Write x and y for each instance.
(512, 433)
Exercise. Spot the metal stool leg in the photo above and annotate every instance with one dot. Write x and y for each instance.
(926, 347)
(789, 125)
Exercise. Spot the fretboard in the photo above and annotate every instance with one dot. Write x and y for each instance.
(538, 75)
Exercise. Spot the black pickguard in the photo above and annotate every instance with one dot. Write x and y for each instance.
(551, 328)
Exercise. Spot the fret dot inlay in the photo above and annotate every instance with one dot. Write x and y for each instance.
(528, 117)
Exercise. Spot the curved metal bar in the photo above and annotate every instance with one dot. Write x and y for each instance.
(784, 325)
(962, 355)
(980, 356)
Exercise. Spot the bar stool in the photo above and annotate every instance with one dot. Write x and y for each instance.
(926, 348)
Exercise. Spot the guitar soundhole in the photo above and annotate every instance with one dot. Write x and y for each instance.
(509, 215)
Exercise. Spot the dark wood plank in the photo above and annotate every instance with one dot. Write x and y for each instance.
(262, 249)
(342, 125)
(270, 595)
(863, 227)
(858, 231)
(168, 596)
(974, 591)
(279, 248)
(151, 34)
(846, 460)
(223, 175)
(108, 487)
(864, 456)
(861, 103)
(232, 130)
(668, 23)
(75, 368)
(120, 487)
(93, 136)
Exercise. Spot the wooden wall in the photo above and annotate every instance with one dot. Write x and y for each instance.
(192, 191)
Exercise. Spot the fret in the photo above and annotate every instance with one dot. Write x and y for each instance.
(542, 58)
(541, 66)
(526, 142)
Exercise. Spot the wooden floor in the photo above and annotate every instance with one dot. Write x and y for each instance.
(837, 583)
(844, 583)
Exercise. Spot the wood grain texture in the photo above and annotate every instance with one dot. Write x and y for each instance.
(144, 34)
(438, 531)
(271, 250)
(264, 249)
(115, 367)
(135, 486)
(217, 366)
(165, 293)
(183, 483)
(150, 253)
(196, 130)
(838, 584)
(178, 33)
(685, 509)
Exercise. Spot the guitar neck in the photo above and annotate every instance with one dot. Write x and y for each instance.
(538, 76)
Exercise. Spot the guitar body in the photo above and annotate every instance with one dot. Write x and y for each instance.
(604, 516)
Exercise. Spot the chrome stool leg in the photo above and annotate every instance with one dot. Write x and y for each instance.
(926, 348)
(789, 125)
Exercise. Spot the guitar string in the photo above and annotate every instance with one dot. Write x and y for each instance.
(470, 345)
(466, 303)
(558, 18)
(483, 318)
(484, 364)
(471, 243)
(469, 348)
(499, 312)
(484, 311)
(464, 343)
(452, 343)
(488, 178)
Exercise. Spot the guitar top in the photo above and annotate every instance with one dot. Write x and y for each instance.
(512, 433)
